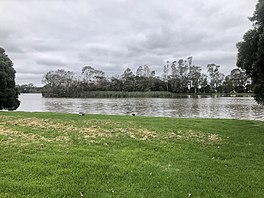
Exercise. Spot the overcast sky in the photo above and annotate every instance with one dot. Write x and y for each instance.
(112, 35)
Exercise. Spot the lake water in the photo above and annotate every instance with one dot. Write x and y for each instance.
(194, 107)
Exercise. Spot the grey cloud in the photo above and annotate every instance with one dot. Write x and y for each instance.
(11, 47)
(44, 46)
(26, 78)
(111, 35)
(51, 61)
(8, 42)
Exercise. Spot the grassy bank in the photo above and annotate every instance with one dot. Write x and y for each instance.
(62, 155)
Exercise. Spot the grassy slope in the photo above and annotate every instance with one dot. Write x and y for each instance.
(61, 155)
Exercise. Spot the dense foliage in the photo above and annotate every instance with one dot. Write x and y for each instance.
(251, 52)
(178, 77)
(8, 92)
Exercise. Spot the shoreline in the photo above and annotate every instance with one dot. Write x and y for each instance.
(120, 94)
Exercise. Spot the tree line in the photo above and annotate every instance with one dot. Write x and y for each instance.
(29, 88)
(178, 77)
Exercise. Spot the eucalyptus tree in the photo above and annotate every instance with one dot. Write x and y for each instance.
(174, 70)
(166, 69)
(144, 78)
(147, 72)
(195, 77)
(89, 74)
(115, 84)
(58, 78)
(216, 77)
(143, 71)
(174, 78)
(59, 83)
(238, 79)
(189, 61)
(228, 86)
(128, 79)
(179, 78)
(203, 83)
(140, 71)
(183, 68)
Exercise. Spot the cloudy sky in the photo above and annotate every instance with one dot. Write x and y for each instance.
(111, 35)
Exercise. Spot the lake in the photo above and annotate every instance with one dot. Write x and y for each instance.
(189, 107)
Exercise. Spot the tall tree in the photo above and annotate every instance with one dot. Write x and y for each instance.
(8, 92)
(203, 82)
(189, 60)
(166, 74)
(174, 71)
(58, 78)
(238, 79)
(174, 78)
(147, 71)
(183, 68)
(143, 71)
(90, 74)
(128, 79)
(59, 83)
(195, 76)
(251, 52)
(140, 71)
(216, 78)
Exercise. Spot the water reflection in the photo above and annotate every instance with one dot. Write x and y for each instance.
(188, 106)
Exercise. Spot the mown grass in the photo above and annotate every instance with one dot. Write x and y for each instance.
(62, 155)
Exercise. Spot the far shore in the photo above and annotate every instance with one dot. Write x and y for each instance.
(149, 94)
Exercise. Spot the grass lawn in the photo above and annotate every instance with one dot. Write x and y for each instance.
(64, 155)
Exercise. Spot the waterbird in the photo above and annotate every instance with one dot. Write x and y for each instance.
(81, 113)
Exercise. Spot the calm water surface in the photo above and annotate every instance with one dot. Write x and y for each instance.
(199, 107)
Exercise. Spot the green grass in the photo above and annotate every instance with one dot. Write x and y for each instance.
(61, 155)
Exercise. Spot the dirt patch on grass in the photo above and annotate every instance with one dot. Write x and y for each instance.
(35, 123)
(33, 129)
(4, 131)
(20, 136)
(13, 136)
(203, 137)
(89, 129)
(197, 136)
(142, 134)
(37, 130)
